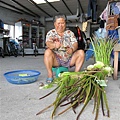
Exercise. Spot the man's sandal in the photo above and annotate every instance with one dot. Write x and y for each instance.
(49, 80)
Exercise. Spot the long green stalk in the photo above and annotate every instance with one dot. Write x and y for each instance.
(102, 48)
(77, 88)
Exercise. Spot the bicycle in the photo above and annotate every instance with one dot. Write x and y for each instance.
(34, 46)
(12, 48)
(2, 52)
(21, 46)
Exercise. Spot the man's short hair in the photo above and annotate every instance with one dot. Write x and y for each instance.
(59, 16)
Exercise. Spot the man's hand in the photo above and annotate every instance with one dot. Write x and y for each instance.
(69, 50)
(57, 44)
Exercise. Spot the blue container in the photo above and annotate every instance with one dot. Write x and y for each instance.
(22, 76)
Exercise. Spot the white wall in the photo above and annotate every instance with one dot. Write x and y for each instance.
(49, 26)
(10, 17)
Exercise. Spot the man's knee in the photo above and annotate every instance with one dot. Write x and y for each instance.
(48, 52)
(81, 53)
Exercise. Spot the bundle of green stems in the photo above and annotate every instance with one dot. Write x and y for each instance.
(102, 48)
(75, 88)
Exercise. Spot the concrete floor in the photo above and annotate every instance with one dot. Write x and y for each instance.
(21, 102)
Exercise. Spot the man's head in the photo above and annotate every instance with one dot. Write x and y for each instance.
(60, 22)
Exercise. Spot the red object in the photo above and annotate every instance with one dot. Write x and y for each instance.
(79, 34)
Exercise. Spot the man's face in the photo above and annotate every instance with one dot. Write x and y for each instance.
(60, 25)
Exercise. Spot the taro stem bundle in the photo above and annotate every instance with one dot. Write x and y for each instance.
(75, 88)
(102, 49)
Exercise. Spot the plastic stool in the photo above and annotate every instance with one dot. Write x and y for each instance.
(58, 70)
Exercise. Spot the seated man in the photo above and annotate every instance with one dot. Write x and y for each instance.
(61, 48)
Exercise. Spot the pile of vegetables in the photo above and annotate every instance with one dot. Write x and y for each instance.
(75, 88)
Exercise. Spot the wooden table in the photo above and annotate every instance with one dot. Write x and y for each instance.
(116, 51)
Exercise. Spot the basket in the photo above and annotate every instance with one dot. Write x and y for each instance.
(22, 76)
